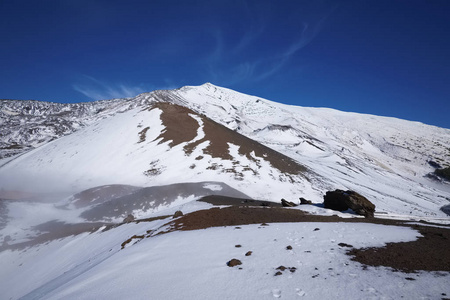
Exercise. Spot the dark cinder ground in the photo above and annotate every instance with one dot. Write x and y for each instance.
(430, 252)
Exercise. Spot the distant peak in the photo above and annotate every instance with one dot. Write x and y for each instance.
(208, 85)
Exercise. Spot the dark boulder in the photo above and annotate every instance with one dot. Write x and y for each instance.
(178, 214)
(234, 262)
(287, 203)
(343, 200)
(443, 173)
(304, 201)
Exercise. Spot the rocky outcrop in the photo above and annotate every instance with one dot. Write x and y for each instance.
(178, 214)
(343, 200)
(304, 201)
(286, 203)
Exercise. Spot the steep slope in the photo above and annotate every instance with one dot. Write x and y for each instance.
(161, 152)
(386, 159)
(156, 144)
(174, 136)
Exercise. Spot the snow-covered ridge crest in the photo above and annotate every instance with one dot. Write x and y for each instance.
(386, 159)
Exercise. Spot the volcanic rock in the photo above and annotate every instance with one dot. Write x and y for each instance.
(177, 214)
(287, 203)
(343, 200)
(304, 201)
(234, 262)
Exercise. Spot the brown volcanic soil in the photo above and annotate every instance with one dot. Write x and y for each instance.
(180, 127)
(429, 253)
(219, 137)
(224, 200)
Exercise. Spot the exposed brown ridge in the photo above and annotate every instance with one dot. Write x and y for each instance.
(219, 137)
(181, 127)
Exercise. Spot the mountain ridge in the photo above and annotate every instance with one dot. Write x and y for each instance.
(153, 196)
(341, 150)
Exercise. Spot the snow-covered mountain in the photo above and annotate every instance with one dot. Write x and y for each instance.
(264, 149)
(80, 169)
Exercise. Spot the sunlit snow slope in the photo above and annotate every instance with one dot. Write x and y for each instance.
(272, 150)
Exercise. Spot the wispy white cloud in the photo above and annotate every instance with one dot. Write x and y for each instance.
(98, 90)
(274, 64)
(242, 61)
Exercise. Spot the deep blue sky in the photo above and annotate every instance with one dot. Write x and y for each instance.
(383, 57)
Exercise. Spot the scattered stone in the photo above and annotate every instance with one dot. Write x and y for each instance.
(248, 253)
(130, 218)
(281, 268)
(343, 200)
(345, 245)
(178, 214)
(410, 278)
(292, 269)
(238, 246)
(303, 201)
(314, 276)
(287, 203)
(316, 229)
(289, 247)
(234, 262)
(237, 227)
(264, 224)
(278, 273)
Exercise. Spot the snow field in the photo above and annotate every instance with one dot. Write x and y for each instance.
(192, 264)
(384, 159)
